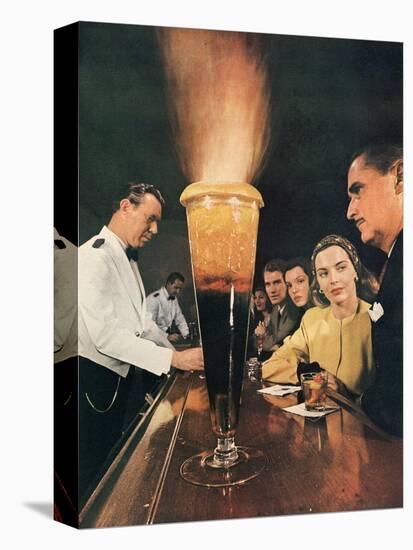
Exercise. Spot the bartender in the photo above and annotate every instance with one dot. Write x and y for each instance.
(116, 334)
(65, 369)
(165, 310)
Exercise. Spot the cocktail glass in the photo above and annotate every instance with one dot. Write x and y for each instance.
(314, 385)
(260, 338)
(223, 223)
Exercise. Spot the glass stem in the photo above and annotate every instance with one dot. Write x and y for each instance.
(225, 453)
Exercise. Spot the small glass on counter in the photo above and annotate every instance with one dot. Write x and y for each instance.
(314, 386)
(254, 369)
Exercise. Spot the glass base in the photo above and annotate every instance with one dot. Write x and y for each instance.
(203, 469)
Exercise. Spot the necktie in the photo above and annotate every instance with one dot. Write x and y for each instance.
(279, 317)
(132, 253)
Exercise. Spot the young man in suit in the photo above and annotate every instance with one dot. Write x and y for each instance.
(375, 190)
(285, 317)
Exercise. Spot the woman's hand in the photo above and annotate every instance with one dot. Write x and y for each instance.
(337, 385)
(260, 330)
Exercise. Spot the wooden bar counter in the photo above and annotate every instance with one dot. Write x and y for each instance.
(337, 463)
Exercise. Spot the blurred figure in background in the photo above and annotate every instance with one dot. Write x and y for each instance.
(163, 306)
(65, 378)
(260, 316)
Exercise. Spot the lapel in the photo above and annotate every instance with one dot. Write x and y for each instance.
(282, 319)
(394, 273)
(135, 291)
(283, 316)
(166, 306)
(276, 320)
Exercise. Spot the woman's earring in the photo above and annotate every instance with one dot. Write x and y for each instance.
(320, 291)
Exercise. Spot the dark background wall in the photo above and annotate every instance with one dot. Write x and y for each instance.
(329, 96)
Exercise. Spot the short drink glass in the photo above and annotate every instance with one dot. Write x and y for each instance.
(314, 386)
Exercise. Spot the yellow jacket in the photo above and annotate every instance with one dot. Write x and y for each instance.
(342, 347)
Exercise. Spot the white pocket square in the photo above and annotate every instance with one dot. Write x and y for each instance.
(376, 312)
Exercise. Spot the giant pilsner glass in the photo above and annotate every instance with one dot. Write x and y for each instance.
(222, 223)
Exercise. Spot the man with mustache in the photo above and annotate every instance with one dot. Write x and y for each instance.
(118, 341)
(375, 190)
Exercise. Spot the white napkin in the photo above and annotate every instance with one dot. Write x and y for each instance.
(279, 390)
(302, 411)
(376, 312)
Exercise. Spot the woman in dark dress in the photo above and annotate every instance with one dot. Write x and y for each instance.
(260, 315)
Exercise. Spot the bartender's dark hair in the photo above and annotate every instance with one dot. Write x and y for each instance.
(135, 193)
(380, 156)
(175, 276)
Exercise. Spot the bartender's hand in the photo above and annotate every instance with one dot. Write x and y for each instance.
(190, 359)
(174, 337)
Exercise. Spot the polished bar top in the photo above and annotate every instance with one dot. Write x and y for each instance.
(337, 463)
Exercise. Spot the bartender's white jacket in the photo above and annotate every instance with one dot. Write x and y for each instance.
(164, 312)
(65, 298)
(115, 330)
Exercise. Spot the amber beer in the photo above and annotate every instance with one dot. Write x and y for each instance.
(223, 223)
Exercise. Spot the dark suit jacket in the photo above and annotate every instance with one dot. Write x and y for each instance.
(383, 402)
(280, 328)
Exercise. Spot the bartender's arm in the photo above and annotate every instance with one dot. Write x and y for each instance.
(190, 359)
(114, 337)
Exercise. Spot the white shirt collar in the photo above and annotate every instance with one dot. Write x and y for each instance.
(164, 292)
(391, 248)
(106, 228)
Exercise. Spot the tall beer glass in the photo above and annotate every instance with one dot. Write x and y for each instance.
(223, 223)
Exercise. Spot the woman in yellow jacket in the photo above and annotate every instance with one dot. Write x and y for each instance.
(337, 334)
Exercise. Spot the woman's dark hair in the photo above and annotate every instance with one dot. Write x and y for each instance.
(366, 282)
(302, 262)
(305, 265)
(268, 306)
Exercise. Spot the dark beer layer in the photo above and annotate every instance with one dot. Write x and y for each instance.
(224, 333)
